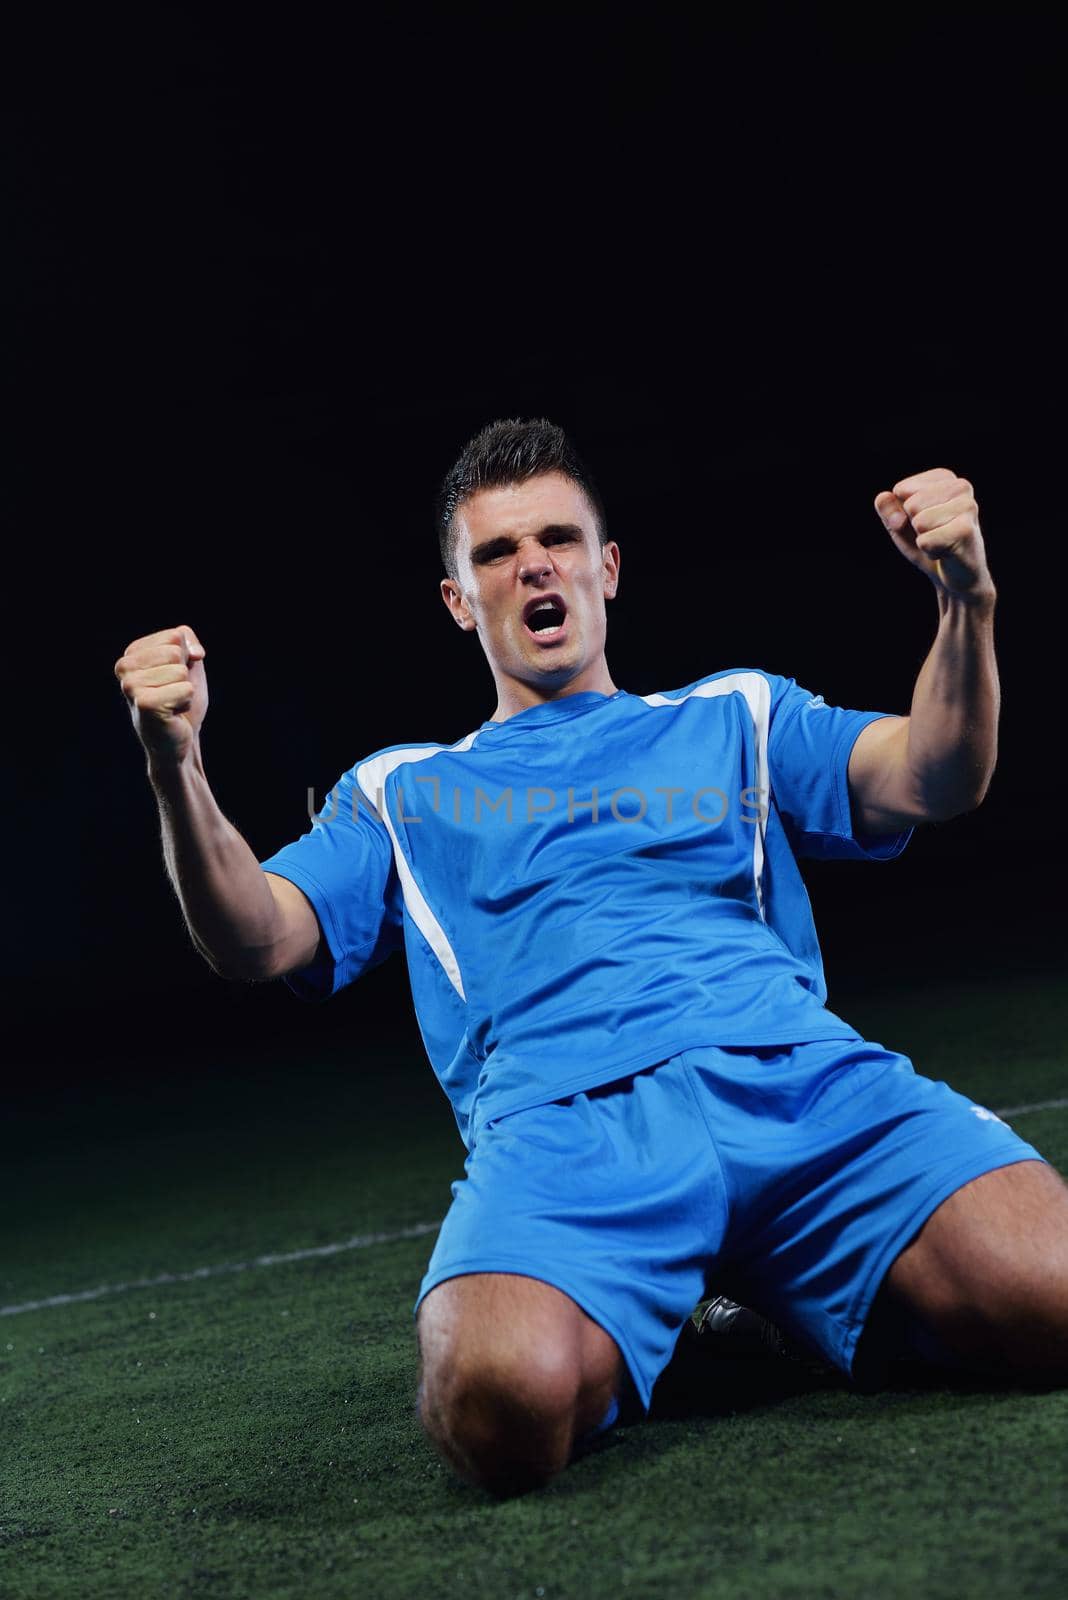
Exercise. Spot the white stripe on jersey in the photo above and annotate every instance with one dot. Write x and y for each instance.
(371, 777)
(757, 692)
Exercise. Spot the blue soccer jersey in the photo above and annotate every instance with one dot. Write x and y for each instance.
(592, 885)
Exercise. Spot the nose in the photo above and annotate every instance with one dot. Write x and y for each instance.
(534, 563)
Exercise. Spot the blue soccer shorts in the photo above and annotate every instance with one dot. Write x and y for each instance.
(803, 1170)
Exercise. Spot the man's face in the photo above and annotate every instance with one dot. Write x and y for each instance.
(532, 579)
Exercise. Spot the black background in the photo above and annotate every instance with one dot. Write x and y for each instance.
(273, 268)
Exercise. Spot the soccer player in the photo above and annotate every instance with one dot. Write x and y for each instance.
(619, 984)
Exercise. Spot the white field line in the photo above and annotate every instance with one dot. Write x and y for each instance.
(360, 1241)
(1039, 1105)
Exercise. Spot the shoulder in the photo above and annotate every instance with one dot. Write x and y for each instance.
(770, 700)
(376, 767)
(750, 682)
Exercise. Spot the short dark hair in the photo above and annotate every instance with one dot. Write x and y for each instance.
(510, 450)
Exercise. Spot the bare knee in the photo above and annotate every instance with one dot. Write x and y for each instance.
(504, 1395)
(506, 1424)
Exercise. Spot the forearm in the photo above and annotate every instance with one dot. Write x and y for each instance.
(953, 722)
(224, 894)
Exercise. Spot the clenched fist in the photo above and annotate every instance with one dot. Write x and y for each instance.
(162, 677)
(933, 519)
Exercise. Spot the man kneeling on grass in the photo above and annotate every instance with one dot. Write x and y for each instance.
(619, 984)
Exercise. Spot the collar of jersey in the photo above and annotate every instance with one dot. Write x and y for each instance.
(570, 705)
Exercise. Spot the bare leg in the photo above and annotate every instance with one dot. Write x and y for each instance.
(513, 1374)
(988, 1273)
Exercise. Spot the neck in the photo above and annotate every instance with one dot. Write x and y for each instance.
(515, 694)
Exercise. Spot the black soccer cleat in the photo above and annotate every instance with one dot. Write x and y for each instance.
(725, 1328)
(732, 1330)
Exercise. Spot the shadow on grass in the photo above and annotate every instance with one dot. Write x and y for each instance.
(698, 1383)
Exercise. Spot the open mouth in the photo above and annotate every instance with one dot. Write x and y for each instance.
(545, 617)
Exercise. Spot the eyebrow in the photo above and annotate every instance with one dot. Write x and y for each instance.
(506, 541)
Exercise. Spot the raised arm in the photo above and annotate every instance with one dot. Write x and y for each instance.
(245, 922)
(938, 761)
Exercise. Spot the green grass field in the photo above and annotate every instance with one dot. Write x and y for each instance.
(251, 1432)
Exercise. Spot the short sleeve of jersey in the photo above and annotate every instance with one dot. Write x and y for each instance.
(809, 745)
(344, 865)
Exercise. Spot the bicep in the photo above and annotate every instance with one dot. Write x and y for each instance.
(883, 797)
(300, 935)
